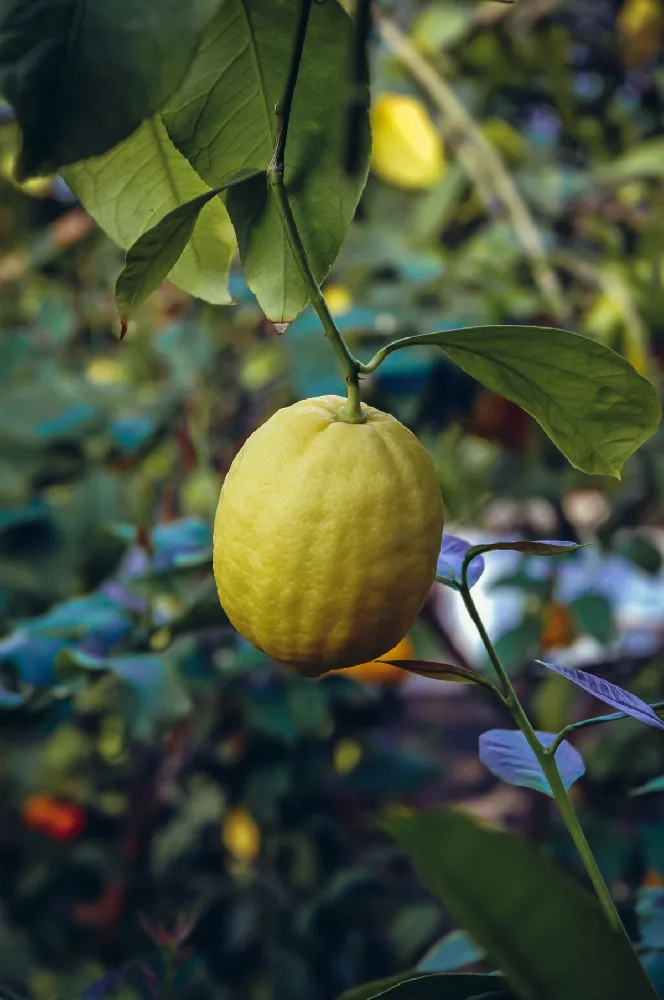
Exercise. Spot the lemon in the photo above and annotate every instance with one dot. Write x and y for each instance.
(407, 148)
(640, 28)
(326, 536)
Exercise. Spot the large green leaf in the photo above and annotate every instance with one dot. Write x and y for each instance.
(223, 120)
(432, 986)
(547, 934)
(83, 76)
(136, 185)
(592, 404)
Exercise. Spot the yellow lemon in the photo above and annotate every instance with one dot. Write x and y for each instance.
(407, 148)
(326, 536)
(640, 28)
(241, 835)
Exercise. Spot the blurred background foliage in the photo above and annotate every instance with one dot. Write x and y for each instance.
(181, 818)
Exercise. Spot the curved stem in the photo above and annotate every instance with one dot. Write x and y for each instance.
(421, 339)
(595, 721)
(547, 762)
(351, 411)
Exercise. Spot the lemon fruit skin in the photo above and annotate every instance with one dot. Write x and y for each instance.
(327, 535)
(407, 147)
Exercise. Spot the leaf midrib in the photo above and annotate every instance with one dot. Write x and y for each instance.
(173, 189)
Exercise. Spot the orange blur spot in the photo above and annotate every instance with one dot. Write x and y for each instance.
(378, 672)
(55, 819)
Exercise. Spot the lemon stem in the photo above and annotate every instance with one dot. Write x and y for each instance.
(351, 411)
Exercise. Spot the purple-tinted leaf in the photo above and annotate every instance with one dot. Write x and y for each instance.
(610, 694)
(102, 986)
(507, 754)
(535, 548)
(450, 561)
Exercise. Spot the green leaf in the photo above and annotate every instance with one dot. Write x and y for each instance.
(152, 257)
(592, 404)
(83, 76)
(223, 120)
(431, 986)
(441, 672)
(160, 696)
(593, 614)
(547, 934)
(154, 254)
(654, 785)
(452, 952)
(517, 645)
(131, 189)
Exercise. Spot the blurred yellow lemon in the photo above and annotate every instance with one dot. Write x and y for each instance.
(241, 835)
(338, 298)
(407, 148)
(640, 30)
(347, 755)
(326, 536)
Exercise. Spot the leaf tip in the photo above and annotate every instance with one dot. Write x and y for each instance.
(124, 326)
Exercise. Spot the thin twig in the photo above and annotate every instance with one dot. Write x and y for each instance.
(482, 162)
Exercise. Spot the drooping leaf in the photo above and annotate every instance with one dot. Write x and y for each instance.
(223, 120)
(452, 952)
(83, 76)
(129, 190)
(547, 933)
(441, 671)
(588, 399)
(434, 986)
(453, 551)
(154, 254)
(610, 694)
(508, 755)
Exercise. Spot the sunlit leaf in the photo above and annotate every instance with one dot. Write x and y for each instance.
(588, 399)
(152, 257)
(129, 190)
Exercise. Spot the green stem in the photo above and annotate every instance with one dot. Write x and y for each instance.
(421, 339)
(595, 721)
(546, 761)
(351, 411)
